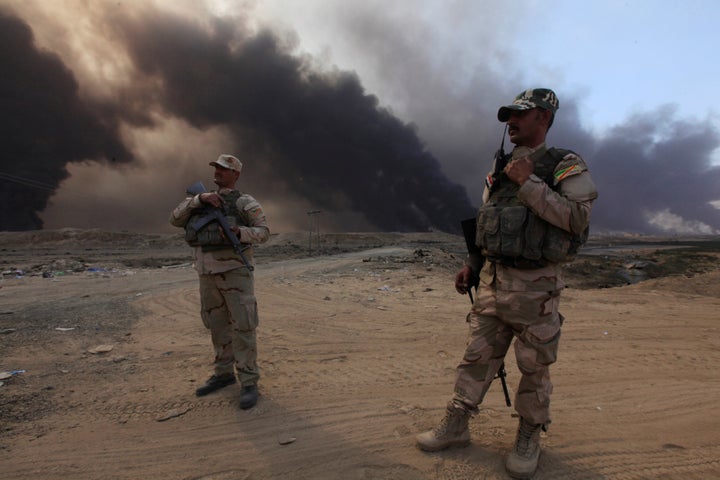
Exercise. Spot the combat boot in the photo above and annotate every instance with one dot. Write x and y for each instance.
(248, 396)
(215, 383)
(523, 460)
(452, 431)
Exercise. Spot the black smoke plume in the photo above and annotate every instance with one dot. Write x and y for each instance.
(319, 136)
(656, 163)
(44, 125)
(319, 131)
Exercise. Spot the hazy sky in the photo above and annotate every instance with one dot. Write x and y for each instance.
(382, 114)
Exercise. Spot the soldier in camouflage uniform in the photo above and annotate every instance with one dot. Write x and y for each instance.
(227, 296)
(535, 215)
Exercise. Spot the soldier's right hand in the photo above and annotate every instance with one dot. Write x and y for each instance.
(462, 280)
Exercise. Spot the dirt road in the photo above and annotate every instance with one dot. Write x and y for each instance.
(357, 355)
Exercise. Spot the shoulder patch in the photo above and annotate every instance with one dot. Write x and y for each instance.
(570, 165)
(252, 208)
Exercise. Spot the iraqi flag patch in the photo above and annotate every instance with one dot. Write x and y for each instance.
(567, 172)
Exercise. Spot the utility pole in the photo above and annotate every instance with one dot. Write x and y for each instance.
(314, 217)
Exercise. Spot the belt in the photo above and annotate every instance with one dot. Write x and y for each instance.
(521, 263)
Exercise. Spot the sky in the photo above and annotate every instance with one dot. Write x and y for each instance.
(381, 114)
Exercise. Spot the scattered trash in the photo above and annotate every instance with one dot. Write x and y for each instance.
(285, 439)
(97, 269)
(175, 412)
(100, 349)
(139, 294)
(6, 375)
(15, 272)
(179, 265)
(64, 329)
(5, 331)
(384, 288)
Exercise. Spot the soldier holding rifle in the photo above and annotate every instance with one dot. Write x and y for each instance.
(535, 216)
(221, 226)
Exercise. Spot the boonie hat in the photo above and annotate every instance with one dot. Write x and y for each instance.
(227, 161)
(529, 99)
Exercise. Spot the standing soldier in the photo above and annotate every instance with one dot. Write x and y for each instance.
(227, 298)
(535, 216)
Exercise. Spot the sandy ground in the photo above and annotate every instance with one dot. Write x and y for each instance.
(357, 354)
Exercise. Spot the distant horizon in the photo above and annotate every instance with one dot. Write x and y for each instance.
(305, 233)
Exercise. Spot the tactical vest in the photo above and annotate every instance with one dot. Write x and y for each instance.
(510, 233)
(208, 236)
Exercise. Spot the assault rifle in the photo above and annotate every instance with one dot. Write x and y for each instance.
(469, 232)
(215, 214)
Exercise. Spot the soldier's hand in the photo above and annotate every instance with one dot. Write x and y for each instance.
(519, 170)
(211, 198)
(462, 280)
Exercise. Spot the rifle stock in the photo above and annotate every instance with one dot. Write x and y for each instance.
(469, 228)
(214, 214)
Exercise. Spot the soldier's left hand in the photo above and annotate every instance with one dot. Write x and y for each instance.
(212, 198)
(520, 169)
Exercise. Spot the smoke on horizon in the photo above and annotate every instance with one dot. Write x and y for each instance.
(45, 126)
(115, 147)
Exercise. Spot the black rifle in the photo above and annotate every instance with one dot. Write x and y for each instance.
(215, 214)
(469, 232)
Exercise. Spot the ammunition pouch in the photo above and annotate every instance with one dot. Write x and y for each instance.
(514, 236)
(209, 235)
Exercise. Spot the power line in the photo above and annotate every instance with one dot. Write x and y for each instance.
(28, 182)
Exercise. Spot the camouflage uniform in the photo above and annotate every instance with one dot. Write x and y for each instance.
(523, 302)
(227, 296)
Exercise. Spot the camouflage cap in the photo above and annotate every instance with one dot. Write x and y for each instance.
(529, 99)
(227, 161)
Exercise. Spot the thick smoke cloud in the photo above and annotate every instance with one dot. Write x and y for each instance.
(320, 131)
(653, 166)
(654, 171)
(44, 124)
(314, 135)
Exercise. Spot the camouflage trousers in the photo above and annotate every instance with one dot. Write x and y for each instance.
(229, 310)
(496, 317)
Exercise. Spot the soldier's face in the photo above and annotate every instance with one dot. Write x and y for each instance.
(527, 128)
(225, 178)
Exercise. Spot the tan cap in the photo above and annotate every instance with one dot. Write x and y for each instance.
(227, 161)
